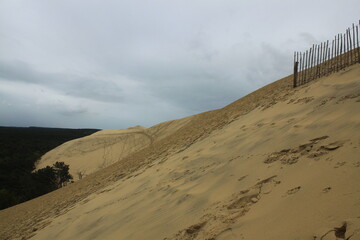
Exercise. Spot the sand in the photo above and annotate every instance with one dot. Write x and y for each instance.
(280, 163)
(104, 148)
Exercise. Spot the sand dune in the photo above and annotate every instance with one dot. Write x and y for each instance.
(280, 163)
(104, 148)
(97, 151)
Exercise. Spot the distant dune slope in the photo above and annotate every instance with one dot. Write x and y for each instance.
(280, 163)
(104, 148)
(91, 153)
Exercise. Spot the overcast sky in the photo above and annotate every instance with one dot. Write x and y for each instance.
(120, 63)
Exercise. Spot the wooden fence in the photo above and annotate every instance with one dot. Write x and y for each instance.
(328, 57)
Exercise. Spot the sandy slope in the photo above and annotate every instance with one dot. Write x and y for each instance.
(277, 164)
(91, 153)
(104, 148)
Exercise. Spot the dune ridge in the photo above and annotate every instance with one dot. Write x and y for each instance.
(276, 164)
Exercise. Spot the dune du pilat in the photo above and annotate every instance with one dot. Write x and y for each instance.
(282, 162)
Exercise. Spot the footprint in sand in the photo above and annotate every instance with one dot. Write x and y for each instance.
(304, 100)
(291, 120)
(243, 127)
(293, 190)
(337, 232)
(347, 97)
(339, 164)
(242, 178)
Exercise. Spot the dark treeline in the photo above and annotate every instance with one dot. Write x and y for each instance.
(20, 148)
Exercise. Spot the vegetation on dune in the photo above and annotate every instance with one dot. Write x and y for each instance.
(20, 148)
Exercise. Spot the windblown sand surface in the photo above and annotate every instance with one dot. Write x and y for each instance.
(104, 148)
(277, 164)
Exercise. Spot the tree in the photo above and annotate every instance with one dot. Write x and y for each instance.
(6, 198)
(62, 174)
(20, 148)
(45, 180)
(48, 179)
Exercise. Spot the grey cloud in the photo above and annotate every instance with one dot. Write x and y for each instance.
(77, 86)
(308, 38)
(74, 112)
(115, 63)
(201, 86)
(18, 71)
(95, 89)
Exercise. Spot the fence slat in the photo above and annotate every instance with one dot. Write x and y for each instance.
(332, 55)
(350, 47)
(295, 70)
(313, 71)
(301, 73)
(303, 68)
(354, 45)
(295, 73)
(347, 49)
(357, 40)
(309, 60)
(326, 57)
(298, 60)
(306, 67)
(329, 56)
(324, 60)
(337, 54)
(313, 62)
(342, 50)
(318, 62)
(309, 73)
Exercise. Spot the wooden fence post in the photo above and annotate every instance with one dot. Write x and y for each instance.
(308, 65)
(298, 57)
(320, 60)
(350, 45)
(317, 60)
(329, 61)
(342, 50)
(348, 48)
(357, 40)
(303, 68)
(332, 55)
(298, 68)
(354, 46)
(326, 58)
(337, 52)
(296, 64)
(313, 61)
